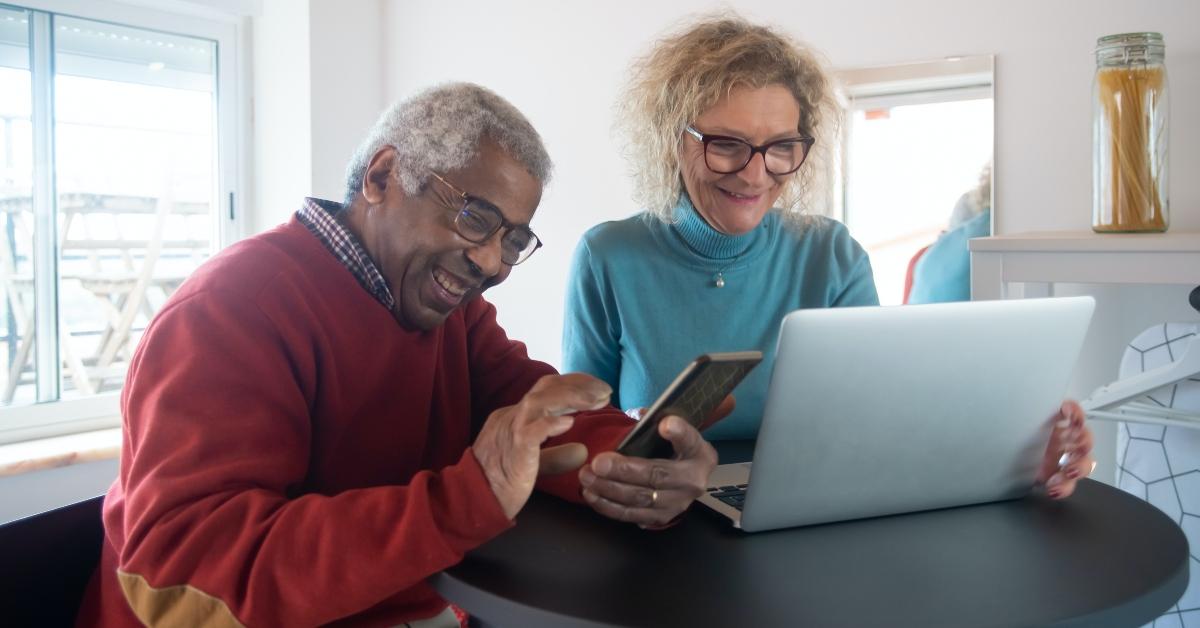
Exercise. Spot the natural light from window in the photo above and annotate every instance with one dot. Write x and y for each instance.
(135, 173)
(906, 168)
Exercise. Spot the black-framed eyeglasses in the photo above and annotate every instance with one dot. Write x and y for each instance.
(478, 220)
(726, 155)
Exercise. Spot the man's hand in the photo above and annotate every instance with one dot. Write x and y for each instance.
(651, 493)
(1069, 452)
(509, 445)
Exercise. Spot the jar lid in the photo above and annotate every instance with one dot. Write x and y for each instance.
(1126, 48)
(1131, 39)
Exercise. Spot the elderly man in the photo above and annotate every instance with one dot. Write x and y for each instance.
(326, 414)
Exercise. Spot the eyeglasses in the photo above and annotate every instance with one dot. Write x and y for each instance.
(478, 220)
(727, 155)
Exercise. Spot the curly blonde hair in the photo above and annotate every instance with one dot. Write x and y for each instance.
(688, 71)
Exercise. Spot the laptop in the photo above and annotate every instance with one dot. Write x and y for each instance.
(883, 410)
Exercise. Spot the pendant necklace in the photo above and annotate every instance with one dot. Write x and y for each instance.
(718, 278)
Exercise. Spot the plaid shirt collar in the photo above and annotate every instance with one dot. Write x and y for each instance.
(320, 216)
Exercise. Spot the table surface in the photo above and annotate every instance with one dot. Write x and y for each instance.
(1100, 558)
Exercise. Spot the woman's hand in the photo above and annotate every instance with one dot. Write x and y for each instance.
(1069, 452)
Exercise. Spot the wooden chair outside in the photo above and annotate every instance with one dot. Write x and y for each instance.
(121, 293)
(18, 294)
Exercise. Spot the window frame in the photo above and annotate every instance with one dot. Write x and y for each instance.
(229, 29)
(925, 82)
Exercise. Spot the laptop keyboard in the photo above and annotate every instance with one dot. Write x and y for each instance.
(733, 495)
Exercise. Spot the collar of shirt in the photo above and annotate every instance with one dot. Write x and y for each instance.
(320, 217)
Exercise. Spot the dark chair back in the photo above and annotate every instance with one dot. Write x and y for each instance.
(46, 561)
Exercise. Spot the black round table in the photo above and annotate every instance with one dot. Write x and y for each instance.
(1100, 558)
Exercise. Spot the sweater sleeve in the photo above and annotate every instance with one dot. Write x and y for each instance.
(858, 282)
(213, 530)
(501, 374)
(591, 325)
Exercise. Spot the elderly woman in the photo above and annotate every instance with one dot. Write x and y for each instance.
(728, 126)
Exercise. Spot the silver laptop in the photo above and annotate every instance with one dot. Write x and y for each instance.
(883, 410)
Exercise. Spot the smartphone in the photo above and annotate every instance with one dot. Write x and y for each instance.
(694, 394)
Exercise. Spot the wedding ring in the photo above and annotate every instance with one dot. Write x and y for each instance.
(653, 498)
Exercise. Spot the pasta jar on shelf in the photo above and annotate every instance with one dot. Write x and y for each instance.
(1129, 164)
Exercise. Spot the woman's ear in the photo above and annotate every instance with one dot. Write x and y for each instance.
(379, 176)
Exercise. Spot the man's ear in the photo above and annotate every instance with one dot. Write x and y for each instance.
(379, 175)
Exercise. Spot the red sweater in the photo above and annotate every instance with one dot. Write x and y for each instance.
(293, 457)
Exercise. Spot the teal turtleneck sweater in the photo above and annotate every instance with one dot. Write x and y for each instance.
(642, 300)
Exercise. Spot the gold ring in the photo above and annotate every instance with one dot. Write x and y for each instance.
(653, 498)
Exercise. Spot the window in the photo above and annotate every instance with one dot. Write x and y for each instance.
(919, 137)
(117, 179)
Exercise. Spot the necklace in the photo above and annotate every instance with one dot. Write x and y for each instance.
(718, 278)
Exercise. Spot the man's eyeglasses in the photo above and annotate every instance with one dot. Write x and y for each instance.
(478, 220)
(727, 155)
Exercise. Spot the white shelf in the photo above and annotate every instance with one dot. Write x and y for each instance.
(1089, 241)
(1037, 259)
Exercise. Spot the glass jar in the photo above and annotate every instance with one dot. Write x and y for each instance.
(1129, 164)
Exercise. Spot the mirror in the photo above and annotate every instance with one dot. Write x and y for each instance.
(915, 172)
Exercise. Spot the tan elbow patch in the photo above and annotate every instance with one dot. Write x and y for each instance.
(178, 605)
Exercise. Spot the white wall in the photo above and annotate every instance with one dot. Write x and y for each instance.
(318, 86)
(347, 73)
(282, 162)
(563, 62)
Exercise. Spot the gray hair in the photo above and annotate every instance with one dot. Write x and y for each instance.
(440, 130)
